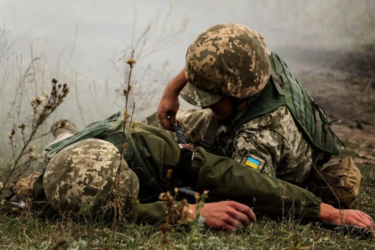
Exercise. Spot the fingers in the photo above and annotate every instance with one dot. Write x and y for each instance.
(370, 220)
(227, 215)
(228, 227)
(359, 224)
(186, 146)
(232, 222)
(172, 119)
(356, 218)
(238, 216)
(361, 219)
(164, 120)
(369, 223)
(245, 210)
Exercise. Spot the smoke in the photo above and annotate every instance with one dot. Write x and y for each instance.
(78, 42)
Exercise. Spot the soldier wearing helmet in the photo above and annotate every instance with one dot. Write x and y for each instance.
(263, 117)
(254, 110)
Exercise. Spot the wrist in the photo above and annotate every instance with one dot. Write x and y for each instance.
(188, 213)
(327, 212)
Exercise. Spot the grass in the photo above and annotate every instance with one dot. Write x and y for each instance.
(26, 230)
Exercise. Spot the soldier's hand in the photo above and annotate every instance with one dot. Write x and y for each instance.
(169, 103)
(167, 110)
(345, 217)
(225, 215)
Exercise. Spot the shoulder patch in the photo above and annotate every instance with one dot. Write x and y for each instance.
(253, 162)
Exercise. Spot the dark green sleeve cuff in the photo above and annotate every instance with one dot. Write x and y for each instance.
(156, 213)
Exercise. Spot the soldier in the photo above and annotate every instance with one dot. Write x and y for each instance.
(260, 111)
(254, 109)
(81, 169)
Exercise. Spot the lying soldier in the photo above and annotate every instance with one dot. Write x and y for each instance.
(158, 163)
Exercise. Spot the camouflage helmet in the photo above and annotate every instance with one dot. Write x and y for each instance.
(84, 173)
(226, 59)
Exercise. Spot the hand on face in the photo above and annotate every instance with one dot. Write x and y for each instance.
(225, 215)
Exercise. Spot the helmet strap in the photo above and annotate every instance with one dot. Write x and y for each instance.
(235, 104)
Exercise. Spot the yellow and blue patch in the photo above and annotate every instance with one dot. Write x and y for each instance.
(167, 173)
(251, 162)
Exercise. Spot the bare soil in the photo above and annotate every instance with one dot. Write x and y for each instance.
(341, 82)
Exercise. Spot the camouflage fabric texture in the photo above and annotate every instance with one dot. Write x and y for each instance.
(226, 59)
(84, 174)
(273, 139)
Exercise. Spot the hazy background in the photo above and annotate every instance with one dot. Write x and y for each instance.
(85, 42)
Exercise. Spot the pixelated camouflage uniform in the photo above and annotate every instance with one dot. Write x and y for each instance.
(273, 138)
(225, 178)
(230, 59)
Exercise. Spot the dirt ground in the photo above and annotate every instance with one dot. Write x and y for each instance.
(344, 86)
(346, 91)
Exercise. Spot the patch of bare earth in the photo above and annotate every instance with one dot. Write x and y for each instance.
(342, 82)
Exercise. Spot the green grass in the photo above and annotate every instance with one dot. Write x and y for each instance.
(28, 231)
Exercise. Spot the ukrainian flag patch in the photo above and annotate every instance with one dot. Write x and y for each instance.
(251, 162)
(167, 173)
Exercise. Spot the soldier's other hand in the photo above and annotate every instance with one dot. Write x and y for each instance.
(188, 146)
(225, 215)
(346, 217)
(167, 110)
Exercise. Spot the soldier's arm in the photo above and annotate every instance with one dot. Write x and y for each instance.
(226, 178)
(169, 103)
(275, 141)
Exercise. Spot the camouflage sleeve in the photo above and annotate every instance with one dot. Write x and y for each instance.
(274, 141)
(194, 123)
